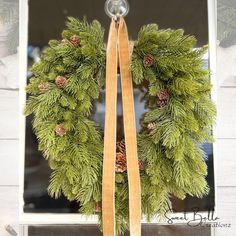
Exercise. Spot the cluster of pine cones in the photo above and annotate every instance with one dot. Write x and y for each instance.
(121, 162)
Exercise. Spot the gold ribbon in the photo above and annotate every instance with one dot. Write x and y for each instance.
(118, 46)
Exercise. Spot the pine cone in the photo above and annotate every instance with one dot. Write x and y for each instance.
(75, 40)
(121, 165)
(121, 146)
(162, 103)
(163, 95)
(60, 130)
(61, 81)
(148, 61)
(163, 98)
(151, 126)
(43, 86)
(98, 207)
(141, 165)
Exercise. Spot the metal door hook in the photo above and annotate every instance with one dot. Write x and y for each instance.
(116, 8)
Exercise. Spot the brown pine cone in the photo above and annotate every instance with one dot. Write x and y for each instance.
(61, 81)
(163, 98)
(75, 40)
(162, 103)
(121, 165)
(121, 146)
(98, 207)
(148, 61)
(141, 165)
(43, 86)
(60, 130)
(163, 95)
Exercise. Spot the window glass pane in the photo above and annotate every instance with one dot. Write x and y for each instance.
(46, 21)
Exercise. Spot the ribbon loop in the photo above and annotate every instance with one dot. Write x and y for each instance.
(108, 208)
(108, 180)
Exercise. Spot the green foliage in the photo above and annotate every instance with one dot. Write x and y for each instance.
(75, 158)
(171, 150)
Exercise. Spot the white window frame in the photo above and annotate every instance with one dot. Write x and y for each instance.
(71, 218)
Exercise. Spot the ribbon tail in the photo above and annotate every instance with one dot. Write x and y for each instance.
(108, 179)
(129, 130)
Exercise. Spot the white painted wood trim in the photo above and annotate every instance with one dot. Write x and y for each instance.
(8, 208)
(9, 163)
(23, 230)
(46, 218)
(226, 174)
(23, 29)
(9, 111)
(71, 219)
(212, 37)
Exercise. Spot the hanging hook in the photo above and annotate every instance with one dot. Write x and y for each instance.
(116, 8)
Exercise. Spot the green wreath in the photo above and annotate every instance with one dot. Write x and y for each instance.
(67, 81)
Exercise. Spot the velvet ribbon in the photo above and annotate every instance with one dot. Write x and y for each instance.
(118, 55)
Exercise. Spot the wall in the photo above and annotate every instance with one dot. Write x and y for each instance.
(226, 153)
(226, 91)
(9, 113)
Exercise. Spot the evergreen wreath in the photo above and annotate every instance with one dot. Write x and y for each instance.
(67, 81)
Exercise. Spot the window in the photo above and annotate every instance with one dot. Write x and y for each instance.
(46, 21)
